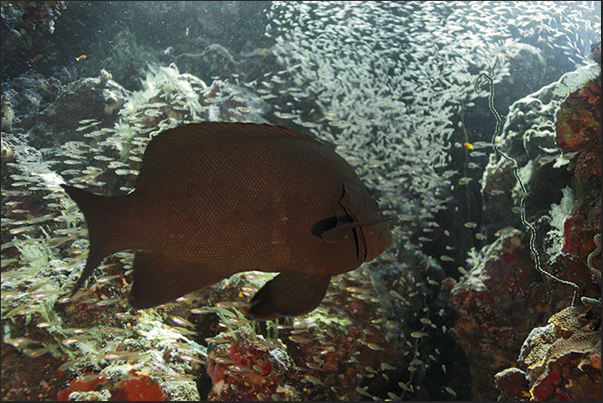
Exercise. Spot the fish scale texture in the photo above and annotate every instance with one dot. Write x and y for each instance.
(221, 197)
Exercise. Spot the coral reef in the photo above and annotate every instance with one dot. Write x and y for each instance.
(95, 387)
(329, 354)
(579, 130)
(490, 323)
(562, 361)
(394, 96)
(498, 302)
(97, 99)
(97, 322)
(36, 15)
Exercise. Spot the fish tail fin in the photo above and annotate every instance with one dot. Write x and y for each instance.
(96, 213)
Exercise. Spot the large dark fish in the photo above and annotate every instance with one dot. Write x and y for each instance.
(214, 199)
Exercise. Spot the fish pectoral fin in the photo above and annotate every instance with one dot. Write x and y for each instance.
(341, 231)
(289, 294)
(338, 233)
(159, 279)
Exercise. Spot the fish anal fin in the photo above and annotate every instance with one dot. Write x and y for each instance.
(289, 294)
(158, 279)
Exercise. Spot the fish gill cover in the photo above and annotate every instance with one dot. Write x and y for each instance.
(391, 87)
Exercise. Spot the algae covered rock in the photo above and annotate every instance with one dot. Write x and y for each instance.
(542, 198)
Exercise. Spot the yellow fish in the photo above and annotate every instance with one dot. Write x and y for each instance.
(35, 58)
(215, 199)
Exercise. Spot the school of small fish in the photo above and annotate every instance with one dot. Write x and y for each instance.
(378, 81)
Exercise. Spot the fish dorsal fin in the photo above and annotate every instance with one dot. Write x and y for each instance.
(158, 279)
(170, 145)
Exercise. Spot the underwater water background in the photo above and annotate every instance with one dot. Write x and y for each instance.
(458, 308)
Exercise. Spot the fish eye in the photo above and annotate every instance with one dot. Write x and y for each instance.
(376, 204)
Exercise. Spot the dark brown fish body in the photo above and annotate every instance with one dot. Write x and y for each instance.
(214, 199)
